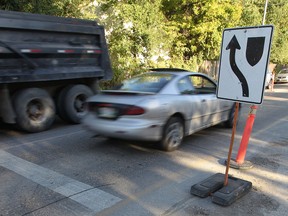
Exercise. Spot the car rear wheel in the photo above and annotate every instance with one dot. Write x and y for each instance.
(173, 134)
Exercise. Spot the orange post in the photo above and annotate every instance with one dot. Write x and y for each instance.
(246, 135)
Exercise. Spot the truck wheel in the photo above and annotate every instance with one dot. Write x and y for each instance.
(34, 108)
(173, 134)
(71, 101)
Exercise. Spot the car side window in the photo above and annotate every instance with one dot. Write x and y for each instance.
(203, 85)
(185, 86)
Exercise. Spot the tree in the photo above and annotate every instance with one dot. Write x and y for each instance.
(199, 25)
(64, 8)
(137, 34)
(252, 14)
(277, 15)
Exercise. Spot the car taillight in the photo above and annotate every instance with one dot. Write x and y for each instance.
(133, 110)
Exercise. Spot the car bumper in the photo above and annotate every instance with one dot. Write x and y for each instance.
(132, 129)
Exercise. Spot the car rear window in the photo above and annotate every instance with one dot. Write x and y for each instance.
(152, 82)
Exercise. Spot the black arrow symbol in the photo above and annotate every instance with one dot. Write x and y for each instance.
(233, 45)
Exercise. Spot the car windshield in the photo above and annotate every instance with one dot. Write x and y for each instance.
(150, 82)
(283, 71)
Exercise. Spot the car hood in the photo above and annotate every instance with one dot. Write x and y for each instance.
(282, 74)
(121, 97)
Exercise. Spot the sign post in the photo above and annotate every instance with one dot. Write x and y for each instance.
(242, 74)
(243, 66)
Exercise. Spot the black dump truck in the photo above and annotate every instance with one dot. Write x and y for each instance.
(48, 66)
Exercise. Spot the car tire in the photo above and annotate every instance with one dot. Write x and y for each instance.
(173, 134)
(35, 110)
(70, 102)
(230, 121)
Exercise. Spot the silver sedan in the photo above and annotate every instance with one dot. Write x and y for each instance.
(282, 76)
(162, 105)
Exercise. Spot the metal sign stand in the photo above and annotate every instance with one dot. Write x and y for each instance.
(224, 193)
(221, 192)
(231, 143)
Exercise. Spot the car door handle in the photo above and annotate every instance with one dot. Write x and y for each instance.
(203, 100)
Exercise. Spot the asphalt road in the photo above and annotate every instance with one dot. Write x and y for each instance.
(67, 171)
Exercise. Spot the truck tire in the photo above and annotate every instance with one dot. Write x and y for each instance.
(35, 110)
(70, 103)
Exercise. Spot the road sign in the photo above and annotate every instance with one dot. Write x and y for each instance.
(244, 63)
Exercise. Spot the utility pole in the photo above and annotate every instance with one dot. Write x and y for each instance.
(265, 11)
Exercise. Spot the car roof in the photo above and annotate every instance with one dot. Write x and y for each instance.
(174, 71)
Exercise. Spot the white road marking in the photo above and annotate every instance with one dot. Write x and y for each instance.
(93, 198)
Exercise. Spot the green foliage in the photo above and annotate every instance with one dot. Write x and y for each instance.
(252, 14)
(65, 8)
(199, 25)
(137, 35)
(278, 16)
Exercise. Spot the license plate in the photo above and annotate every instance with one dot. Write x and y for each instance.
(107, 112)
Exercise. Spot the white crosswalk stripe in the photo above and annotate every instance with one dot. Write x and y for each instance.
(92, 198)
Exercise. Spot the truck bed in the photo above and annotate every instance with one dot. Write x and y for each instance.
(37, 47)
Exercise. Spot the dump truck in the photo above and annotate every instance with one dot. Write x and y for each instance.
(49, 66)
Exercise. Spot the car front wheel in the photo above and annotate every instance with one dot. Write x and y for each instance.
(173, 134)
